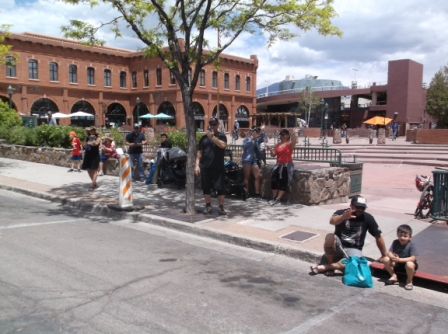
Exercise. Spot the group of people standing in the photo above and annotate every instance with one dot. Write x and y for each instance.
(98, 149)
(210, 163)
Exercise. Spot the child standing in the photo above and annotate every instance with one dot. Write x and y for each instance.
(76, 152)
(402, 255)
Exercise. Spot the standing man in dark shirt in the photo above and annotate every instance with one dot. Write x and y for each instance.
(165, 142)
(135, 140)
(210, 164)
(351, 226)
(51, 120)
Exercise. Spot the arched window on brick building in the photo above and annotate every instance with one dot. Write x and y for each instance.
(54, 72)
(73, 74)
(32, 69)
(107, 78)
(10, 67)
(90, 76)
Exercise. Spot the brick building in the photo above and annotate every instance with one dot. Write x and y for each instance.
(118, 86)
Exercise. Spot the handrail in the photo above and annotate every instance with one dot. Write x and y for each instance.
(311, 154)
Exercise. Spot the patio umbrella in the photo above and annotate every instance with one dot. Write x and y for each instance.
(161, 115)
(59, 115)
(147, 116)
(80, 113)
(378, 120)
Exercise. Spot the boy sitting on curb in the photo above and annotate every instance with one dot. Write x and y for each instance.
(402, 255)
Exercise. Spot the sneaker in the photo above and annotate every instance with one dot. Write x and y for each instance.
(79, 170)
(101, 174)
(275, 201)
(257, 197)
(272, 200)
(70, 170)
(208, 210)
(221, 211)
(249, 197)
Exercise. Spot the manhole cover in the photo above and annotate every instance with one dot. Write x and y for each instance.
(299, 236)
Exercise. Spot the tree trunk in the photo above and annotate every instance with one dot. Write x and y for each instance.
(191, 154)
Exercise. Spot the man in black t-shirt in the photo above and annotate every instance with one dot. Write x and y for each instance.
(135, 140)
(351, 226)
(210, 164)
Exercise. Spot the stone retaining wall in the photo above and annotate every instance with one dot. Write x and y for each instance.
(312, 185)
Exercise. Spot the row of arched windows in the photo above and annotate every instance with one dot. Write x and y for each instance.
(33, 73)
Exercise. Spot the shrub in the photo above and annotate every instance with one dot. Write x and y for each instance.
(117, 136)
(17, 135)
(57, 136)
(179, 139)
(8, 117)
(4, 133)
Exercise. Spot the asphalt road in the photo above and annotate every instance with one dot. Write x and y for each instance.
(66, 272)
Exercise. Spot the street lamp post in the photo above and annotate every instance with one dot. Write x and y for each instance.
(322, 105)
(137, 100)
(326, 119)
(10, 91)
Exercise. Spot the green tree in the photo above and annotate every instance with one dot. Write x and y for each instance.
(5, 49)
(437, 98)
(8, 117)
(307, 101)
(183, 25)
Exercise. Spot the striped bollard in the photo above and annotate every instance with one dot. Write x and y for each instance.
(125, 197)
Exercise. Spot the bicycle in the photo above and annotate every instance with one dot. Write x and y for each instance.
(425, 205)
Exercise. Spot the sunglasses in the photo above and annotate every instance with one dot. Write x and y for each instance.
(360, 208)
(213, 124)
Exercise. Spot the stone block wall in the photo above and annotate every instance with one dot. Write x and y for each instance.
(56, 157)
(312, 185)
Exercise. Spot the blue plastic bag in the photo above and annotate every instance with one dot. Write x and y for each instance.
(357, 272)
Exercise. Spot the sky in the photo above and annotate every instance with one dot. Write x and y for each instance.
(374, 32)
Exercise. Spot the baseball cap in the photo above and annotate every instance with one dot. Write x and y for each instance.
(284, 132)
(72, 133)
(359, 201)
(213, 120)
(49, 113)
(136, 126)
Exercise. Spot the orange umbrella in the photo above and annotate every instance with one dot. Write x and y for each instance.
(378, 120)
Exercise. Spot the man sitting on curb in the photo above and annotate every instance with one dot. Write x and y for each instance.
(351, 226)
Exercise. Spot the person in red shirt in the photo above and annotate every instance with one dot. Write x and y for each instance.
(283, 171)
(76, 152)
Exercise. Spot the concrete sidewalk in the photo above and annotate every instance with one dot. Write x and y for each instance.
(389, 190)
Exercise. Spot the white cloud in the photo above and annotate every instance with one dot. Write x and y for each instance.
(374, 33)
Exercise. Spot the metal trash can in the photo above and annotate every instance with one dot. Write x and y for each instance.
(440, 201)
(355, 169)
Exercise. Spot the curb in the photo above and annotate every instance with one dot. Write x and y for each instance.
(231, 238)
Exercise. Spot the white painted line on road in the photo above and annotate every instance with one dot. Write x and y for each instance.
(317, 320)
(37, 224)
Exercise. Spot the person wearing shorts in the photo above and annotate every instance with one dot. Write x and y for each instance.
(210, 165)
(76, 152)
(351, 227)
(251, 160)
